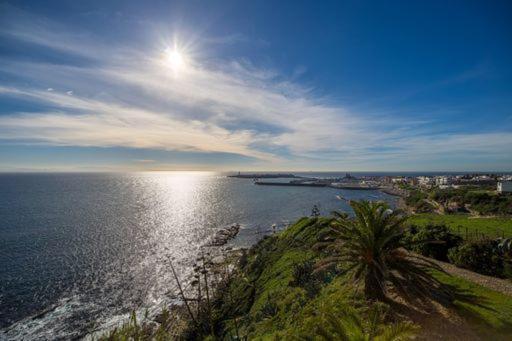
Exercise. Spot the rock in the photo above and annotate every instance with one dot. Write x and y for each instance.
(224, 235)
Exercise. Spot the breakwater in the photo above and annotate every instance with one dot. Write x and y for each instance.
(301, 184)
(264, 176)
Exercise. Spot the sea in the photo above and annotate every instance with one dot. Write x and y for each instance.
(80, 251)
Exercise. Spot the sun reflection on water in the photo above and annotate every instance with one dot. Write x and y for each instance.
(178, 217)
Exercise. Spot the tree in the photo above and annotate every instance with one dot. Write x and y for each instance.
(370, 248)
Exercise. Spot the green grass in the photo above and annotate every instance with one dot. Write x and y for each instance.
(492, 227)
(488, 312)
(262, 303)
(272, 309)
(280, 311)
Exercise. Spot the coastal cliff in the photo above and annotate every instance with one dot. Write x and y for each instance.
(273, 292)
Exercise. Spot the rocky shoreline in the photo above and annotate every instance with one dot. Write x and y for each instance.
(224, 235)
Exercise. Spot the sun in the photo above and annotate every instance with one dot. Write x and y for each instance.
(175, 59)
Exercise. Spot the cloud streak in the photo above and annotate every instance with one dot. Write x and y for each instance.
(132, 99)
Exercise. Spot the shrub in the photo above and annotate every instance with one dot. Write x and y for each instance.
(424, 207)
(415, 198)
(432, 240)
(303, 276)
(480, 256)
(269, 309)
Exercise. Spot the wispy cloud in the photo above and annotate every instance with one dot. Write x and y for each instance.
(86, 122)
(133, 99)
(145, 161)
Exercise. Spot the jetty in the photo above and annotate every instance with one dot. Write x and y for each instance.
(299, 184)
(263, 175)
(348, 182)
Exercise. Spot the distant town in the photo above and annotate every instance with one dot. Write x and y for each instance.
(396, 185)
(503, 183)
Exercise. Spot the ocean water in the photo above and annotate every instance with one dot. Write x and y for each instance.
(78, 252)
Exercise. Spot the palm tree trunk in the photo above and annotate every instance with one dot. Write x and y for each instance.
(373, 287)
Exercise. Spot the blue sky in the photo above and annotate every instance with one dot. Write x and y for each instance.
(260, 85)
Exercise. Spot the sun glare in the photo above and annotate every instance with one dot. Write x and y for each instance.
(175, 59)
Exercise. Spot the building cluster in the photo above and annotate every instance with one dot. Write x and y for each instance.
(503, 183)
(397, 184)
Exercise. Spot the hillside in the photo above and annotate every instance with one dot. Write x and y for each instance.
(274, 294)
(275, 297)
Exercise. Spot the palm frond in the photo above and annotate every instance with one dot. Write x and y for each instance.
(398, 332)
(370, 246)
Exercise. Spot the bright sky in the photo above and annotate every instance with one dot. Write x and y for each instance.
(259, 85)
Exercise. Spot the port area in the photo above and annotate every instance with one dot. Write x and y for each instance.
(303, 184)
(263, 176)
(318, 184)
(347, 182)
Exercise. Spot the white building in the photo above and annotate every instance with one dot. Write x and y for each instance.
(424, 180)
(442, 180)
(504, 186)
(482, 178)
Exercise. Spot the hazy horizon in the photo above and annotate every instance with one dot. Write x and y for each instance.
(258, 171)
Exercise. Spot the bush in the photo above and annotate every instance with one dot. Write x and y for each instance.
(432, 240)
(269, 309)
(415, 198)
(303, 276)
(480, 256)
(479, 201)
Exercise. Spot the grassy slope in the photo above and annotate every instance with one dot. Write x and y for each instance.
(488, 311)
(276, 310)
(492, 227)
(263, 295)
(266, 307)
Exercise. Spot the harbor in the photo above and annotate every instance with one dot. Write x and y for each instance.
(262, 176)
(348, 182)
(302, 184)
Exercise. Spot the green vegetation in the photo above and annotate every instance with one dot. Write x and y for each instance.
(456, 200)
(273, 300)
(479, 201)
(370, 249)
(483, 256)
(431, 240)
(351, 327)
(458, 223)
(488, 312)
(405, 185)
(467, 199)
(417, 200)
(284, 288)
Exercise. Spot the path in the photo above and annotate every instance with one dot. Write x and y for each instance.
(497, 284)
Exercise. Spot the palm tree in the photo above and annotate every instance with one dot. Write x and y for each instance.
(370, 248)
(351, 327)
